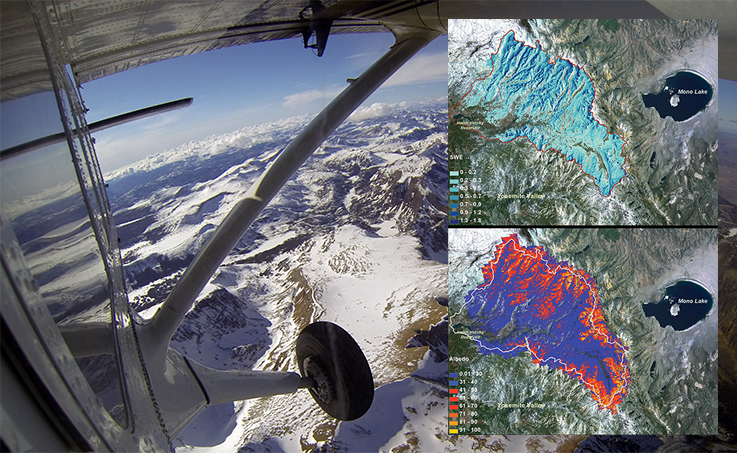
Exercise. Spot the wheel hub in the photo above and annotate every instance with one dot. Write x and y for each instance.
(323, 387)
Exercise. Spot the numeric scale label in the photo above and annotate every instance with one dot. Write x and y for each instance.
(462, 411)
(465, 206)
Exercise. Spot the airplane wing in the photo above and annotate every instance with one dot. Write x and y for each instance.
(102, 38)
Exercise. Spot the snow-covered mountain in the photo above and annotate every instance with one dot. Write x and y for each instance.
(357, 237)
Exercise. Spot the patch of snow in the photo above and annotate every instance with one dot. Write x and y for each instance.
(388, 228)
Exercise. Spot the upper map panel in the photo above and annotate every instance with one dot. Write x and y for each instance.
(560, 122)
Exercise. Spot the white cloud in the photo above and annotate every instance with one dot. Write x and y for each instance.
(373, 55)
(727, 125)
(306, 97)
(421, 69)
(372, 111)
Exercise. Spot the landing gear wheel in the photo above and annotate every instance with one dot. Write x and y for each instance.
(344, 386)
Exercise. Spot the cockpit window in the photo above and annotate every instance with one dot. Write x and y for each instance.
(41, 197)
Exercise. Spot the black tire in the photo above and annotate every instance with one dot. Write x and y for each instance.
(344, 386)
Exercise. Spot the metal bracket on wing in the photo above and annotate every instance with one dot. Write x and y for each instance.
(156, 334)
(319, 25)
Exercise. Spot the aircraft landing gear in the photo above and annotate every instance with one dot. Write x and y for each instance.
(343, 384)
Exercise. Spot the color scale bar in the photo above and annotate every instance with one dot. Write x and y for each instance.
(453, 416)
(453, 205)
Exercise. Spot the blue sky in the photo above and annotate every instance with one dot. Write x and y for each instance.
(246, 85)
(728, 106)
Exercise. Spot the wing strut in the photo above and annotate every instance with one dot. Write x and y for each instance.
(156, 334)
(97, 126)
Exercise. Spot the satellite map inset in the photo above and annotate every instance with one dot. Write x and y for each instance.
(583, 122)
(553, 330)
(559, 319)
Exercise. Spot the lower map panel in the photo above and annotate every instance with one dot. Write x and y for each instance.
(549, 333)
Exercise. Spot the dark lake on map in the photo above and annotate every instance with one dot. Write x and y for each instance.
(684, 95)
(683, 305)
